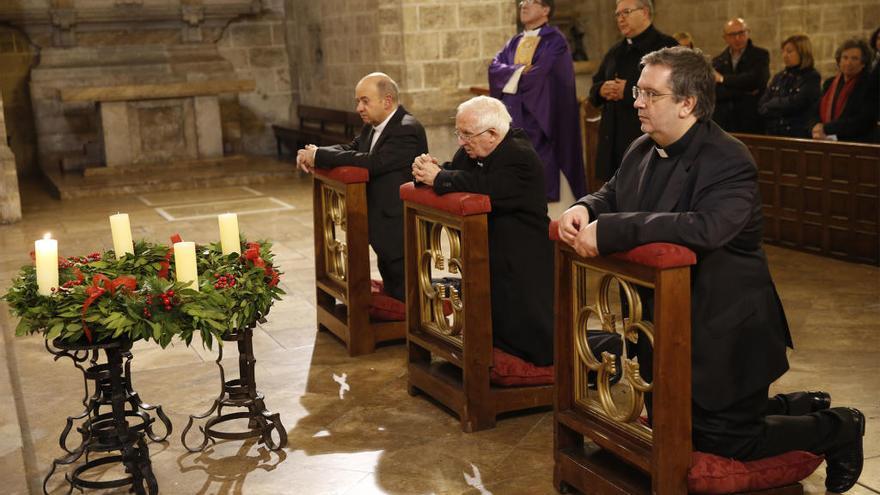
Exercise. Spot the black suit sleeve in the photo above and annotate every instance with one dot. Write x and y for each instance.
(504, 185)
(720, 209)
(396, 152)
(599, 79)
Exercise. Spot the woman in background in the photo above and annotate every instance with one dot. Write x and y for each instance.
(847, 110)
(788, 105)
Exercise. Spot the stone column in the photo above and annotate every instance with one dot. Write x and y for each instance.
(10, 201)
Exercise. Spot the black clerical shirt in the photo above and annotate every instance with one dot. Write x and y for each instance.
(660, 168)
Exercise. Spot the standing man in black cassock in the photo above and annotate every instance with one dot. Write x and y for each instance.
(389, 141)
(613, 82)
(688, 182)
(501, 162)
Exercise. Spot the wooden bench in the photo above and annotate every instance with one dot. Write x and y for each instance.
(342, 261)
(821, 197)
(602, 441)
(449, 356)
(318, 126)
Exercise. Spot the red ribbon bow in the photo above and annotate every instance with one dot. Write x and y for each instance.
(101, 285)
(166, 265)
(252, 254)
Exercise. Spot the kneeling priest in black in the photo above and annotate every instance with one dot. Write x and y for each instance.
(688, 182)
(500, 162)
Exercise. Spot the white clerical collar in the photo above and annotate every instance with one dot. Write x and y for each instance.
(661, 152)
(531, 32)
(629, 41)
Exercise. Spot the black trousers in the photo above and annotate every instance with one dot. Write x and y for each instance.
(757, 427)
(393, 277)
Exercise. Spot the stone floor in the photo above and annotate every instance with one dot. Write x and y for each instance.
(374, 438)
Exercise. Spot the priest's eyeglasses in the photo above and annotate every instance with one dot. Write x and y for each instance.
(626, 12)
(466, 136)
(648, 94)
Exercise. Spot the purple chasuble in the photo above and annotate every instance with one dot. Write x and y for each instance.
(546, 107)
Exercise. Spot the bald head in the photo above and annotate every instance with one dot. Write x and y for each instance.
(736, 35)
(377, 96)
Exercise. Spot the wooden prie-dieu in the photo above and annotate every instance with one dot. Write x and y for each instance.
(342, 261)
(449, 322)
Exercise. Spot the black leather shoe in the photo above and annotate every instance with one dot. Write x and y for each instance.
(819, 400)
(844, 465)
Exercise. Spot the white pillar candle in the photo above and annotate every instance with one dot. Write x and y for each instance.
(229, 240)
(185, 264)
(46, 254)
(121, 230)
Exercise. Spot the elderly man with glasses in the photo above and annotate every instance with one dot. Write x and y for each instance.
(534, 76)
(741, 74)
(687, 182)
(500, 161)
(613, 82)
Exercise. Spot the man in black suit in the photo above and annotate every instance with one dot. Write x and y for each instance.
(502, 163)
(741, 74)
(389, 141)
(688, 182)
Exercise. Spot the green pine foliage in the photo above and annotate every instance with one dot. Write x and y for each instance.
(158, 309)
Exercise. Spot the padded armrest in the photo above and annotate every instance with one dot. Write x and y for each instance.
(461, 204)
(346, 175)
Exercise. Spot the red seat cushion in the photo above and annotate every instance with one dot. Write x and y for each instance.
(713, 474)
(384, 307)
(511, 371)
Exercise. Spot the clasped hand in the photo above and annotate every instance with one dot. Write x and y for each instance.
(425, 169)
(305, 158)
(576, 230)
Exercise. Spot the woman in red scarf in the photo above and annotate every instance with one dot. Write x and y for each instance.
(847, 110)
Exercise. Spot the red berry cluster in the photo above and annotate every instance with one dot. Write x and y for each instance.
(166, 299)
(224, 280)
(69, 262)
(70, 284)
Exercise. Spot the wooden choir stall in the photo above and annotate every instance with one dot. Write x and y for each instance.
(342, 262)
(449, 324)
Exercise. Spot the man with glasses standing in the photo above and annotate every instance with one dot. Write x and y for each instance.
(534, 76)
(741, 74)
(500, 161)
(613, 82)
(688, 182)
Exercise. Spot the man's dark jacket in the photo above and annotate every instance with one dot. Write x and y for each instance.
(390, 165)
(620, 124)
(711, 205)
(736, 99)
(520, 251)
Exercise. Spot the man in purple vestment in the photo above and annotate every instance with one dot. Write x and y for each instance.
(534, 76)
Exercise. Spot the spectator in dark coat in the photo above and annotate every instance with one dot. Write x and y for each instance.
(848, 110)
(741, 74)
(790, 102)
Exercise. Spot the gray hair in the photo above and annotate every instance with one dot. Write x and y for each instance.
(490, 112)
(647, 4)
(691, 75)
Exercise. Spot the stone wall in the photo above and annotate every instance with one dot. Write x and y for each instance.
(10, 200)
(16, 58)
(435, 49)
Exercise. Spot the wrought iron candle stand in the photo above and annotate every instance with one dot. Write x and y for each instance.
(109, 431)
(241, 393)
